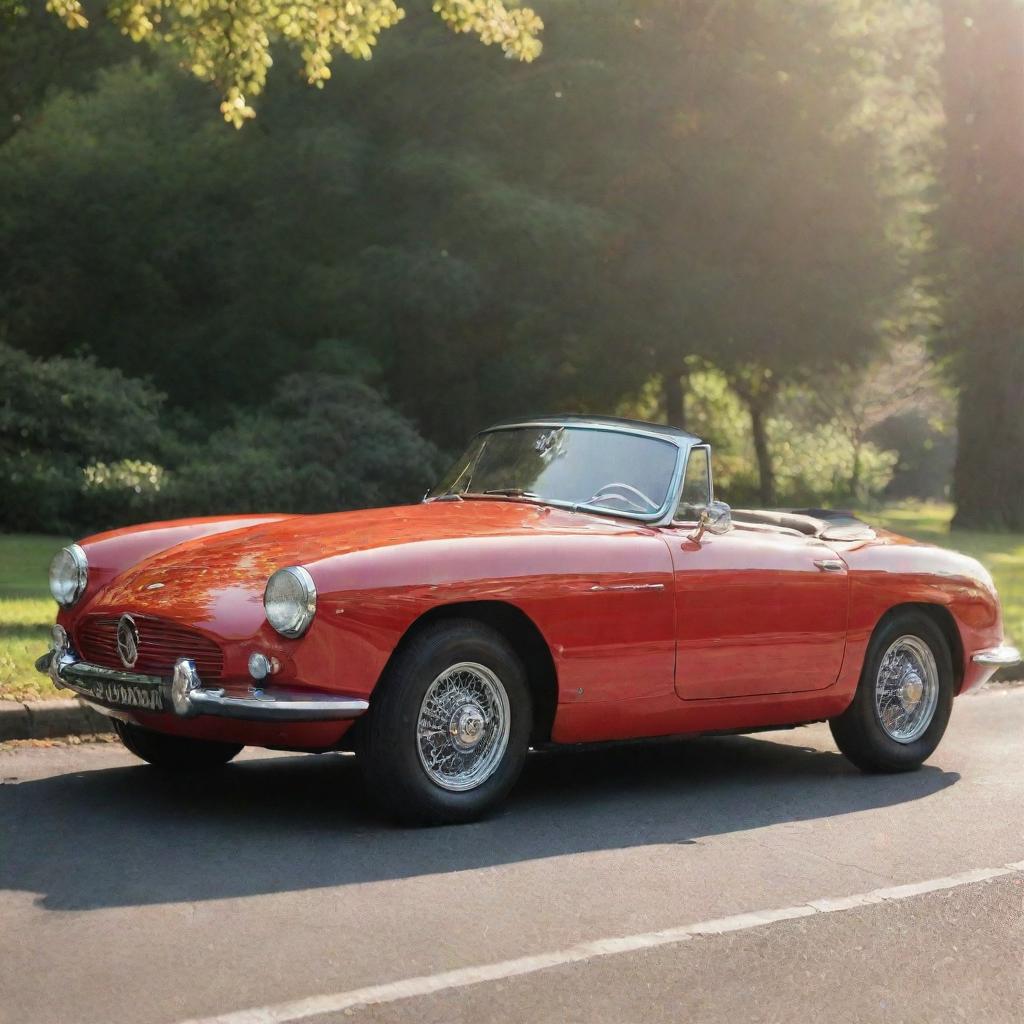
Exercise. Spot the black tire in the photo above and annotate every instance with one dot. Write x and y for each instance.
(388, 747)
(178, 753)
(858, 731)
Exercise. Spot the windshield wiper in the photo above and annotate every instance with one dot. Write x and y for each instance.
(512, 492)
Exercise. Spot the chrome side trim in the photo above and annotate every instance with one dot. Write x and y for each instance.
(628, 586)
(107, 687)
(1005, 655)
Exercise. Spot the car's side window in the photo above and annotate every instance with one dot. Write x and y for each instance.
(696, 485)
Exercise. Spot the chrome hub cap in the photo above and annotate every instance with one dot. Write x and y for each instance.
(467, 727)
(463, 727)
(907, 689)
(912, 690)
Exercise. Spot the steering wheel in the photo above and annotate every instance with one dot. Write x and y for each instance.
(607, 493)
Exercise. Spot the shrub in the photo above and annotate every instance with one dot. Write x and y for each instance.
(39, 493)
(58, 416)
(128, 491)
(76, 409)
(323, 443)
(82, 449)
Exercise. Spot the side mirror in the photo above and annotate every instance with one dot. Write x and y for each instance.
(715, 518)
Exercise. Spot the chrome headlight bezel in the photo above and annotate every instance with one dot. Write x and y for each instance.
(69, 575)
(289, 601)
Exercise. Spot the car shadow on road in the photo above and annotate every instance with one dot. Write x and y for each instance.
(130, 836)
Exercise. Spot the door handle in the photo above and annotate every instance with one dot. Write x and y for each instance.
(830, 564)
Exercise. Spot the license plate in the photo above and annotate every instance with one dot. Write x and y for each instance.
(121, 695)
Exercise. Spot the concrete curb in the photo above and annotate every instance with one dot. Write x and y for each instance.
(49, 719)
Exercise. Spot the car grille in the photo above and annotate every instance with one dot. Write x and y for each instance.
(161, 644)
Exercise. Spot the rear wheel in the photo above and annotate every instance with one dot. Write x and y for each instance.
(449, 725)
(904, 697)
(174, 752)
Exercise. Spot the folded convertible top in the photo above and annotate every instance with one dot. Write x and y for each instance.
(824, 523)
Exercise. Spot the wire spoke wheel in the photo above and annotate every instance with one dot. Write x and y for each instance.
(463, 727)
(906, 689)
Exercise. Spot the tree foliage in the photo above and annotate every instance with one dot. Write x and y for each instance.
(229, 42)
(726, 187)
(751, 229)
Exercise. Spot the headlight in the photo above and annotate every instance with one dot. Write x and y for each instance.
(69, 574)
(290, 600)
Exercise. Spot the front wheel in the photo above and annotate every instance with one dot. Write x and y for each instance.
(177, 753)
(449, 725)
(904, 697)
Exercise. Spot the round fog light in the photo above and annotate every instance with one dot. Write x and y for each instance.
(183, 682)
(260, 666)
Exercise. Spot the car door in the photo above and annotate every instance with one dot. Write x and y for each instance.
(757, 613)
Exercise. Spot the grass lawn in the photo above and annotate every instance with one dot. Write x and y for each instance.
(27, 611)
(26, 614)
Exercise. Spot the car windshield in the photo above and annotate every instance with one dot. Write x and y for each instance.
(619, 472)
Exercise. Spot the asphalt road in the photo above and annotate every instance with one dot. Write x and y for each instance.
(126, 896)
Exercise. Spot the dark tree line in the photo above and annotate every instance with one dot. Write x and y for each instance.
(669, 187)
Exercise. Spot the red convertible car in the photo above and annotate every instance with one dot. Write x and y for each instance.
(571, 580)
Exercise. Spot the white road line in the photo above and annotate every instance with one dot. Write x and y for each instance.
(408, 988)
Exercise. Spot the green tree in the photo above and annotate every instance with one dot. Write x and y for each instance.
(673, 184)
(749, 229)
(981, 227)
(38, 56)
(219, 262)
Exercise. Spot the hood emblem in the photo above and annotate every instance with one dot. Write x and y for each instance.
(128, 641)
(154, 586)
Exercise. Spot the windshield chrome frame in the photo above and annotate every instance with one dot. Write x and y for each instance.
(661, 517)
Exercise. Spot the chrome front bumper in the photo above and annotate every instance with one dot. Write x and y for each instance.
(1003, 656)
(184, 693)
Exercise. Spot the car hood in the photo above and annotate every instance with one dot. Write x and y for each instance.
(216, 576)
